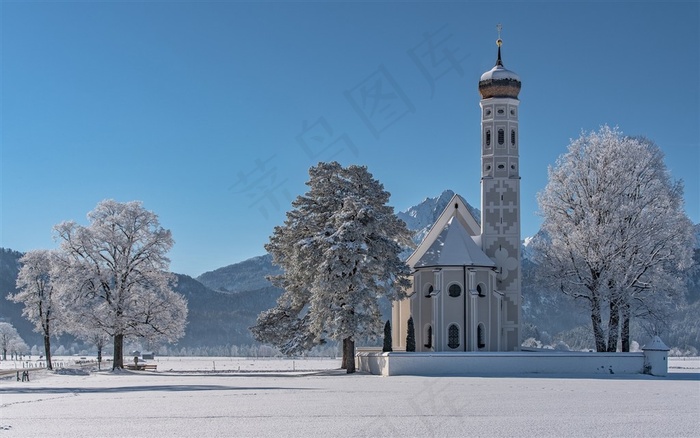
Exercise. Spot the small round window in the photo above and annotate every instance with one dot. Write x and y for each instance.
(455, 290)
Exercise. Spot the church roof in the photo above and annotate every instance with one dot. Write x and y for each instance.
(499, 81)
(454, 247)
(457, 210)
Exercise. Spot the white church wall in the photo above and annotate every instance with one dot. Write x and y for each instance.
(400, 311)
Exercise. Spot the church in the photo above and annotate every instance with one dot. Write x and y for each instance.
(466, 273)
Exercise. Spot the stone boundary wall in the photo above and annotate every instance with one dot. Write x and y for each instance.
(511, 363)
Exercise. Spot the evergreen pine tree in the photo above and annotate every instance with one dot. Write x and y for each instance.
(387, 337)
(339, 250)
(411, 336)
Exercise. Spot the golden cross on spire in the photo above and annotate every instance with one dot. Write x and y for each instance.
(499, 28)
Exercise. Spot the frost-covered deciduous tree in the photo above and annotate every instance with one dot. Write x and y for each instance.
(10, 340)
(41, 299)
(617, 235)
(115, 276)
(339, 249)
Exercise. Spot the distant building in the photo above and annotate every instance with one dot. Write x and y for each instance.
(466, 292)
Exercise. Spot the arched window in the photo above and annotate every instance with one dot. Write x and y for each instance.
(488, 137)
(455, 290)
(429, 290)
(481, 289)
(453, 336)
(429, 337)
(481, 335)
(501, 137)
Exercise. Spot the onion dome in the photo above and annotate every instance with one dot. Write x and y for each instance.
(499, 82)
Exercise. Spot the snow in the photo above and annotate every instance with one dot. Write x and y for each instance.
(454, 247)
(656, 344)
(420, 218)
(201, 402)
(498, 72)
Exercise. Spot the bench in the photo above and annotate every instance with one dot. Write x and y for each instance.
(141, 366)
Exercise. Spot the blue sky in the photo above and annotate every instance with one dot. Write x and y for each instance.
(211, 113)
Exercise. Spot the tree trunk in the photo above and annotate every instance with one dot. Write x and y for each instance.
(4, 354)
(99, 357)
(47, 351)
(597, 322)
(625, 335)
(349, 344)
(613, 326)
(344, 362)
(118, 358)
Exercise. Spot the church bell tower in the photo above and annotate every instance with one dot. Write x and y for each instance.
(500, 191)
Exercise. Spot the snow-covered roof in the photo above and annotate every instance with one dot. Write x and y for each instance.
(499, 72)
(458, 208)
(499, 81)
(454, 247)
(656, 344)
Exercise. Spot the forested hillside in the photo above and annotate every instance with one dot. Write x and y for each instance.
(240, 277)
(9, 311)
(218, 319)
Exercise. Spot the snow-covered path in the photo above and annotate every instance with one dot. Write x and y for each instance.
(331, 403)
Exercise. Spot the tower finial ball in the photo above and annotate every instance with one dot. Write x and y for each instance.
(499, 42)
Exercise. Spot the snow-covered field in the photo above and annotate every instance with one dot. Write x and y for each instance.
(210, 397)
